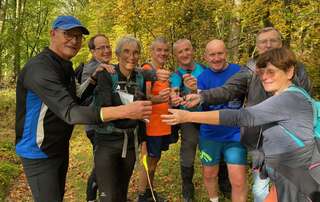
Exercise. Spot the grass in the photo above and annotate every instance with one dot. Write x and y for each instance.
(167, 179)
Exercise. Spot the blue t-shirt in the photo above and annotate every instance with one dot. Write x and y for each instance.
(176, 79)
(211, 79)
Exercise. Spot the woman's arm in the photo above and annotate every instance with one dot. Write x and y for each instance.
(183, 116)
(274, 109)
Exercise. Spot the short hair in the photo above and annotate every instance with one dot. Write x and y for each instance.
(180, 41)
(158, 40)
(91, 41)
(268, 29)
(126, 40)
(282, 58)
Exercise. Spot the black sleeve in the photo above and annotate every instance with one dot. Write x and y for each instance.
(52, 90)
(103, 91)
(235, 87)
(105, 97)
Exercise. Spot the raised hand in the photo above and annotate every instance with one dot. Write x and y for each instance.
(175, 99)
(190, 82)
(107, 67)
(163, 75)
(192, 100)
(165, 94)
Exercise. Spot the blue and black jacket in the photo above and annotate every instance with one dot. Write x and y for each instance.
(48, 106)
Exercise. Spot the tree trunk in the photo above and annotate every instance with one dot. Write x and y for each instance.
(3, 14)
(17, 36)
(288, 10)
(233, 41)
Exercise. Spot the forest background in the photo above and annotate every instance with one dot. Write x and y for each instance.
(24, 32)
(24, 26)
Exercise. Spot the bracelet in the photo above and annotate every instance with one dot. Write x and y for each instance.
(101, 115)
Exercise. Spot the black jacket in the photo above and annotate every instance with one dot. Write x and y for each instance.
(105, 96)
(48, 106)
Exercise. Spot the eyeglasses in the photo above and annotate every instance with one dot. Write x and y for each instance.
(73, 35)
(269, 41)
(268, 72)
(103, 48)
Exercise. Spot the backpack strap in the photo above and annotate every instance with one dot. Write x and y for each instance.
(294, 88)
(114, 79)
(140, 80)
(315, 108)
(293, 137)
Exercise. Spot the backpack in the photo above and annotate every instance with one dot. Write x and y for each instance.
(78, 72)
(109, 128)
(316, 114)
(139, 81)
(314, 164)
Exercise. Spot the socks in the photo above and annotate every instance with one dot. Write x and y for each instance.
(214, 199)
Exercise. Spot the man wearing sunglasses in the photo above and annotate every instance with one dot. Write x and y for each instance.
(247, 83)
(48, 106)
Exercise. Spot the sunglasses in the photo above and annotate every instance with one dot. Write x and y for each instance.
(268, 72)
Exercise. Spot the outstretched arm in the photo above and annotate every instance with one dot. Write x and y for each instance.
(272, 110)
(135, 110)
(235, 87)
(182, 116)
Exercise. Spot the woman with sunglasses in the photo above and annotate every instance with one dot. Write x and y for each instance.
(287, 154)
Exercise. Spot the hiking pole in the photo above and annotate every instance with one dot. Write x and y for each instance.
(145, 165)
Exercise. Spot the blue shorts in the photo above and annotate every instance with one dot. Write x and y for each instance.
(157, 144)
(232, 152)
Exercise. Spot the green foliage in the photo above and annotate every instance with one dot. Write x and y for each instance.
(9, 163)
(8, 171)
(25, 33)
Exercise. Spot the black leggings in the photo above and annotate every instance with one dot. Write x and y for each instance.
(113, 172)
(46, 177)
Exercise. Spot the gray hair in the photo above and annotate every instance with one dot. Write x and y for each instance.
(127, 40)
(268, 29)
(158, 40)
(180, 41)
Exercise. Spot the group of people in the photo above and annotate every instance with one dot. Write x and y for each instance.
(128, 113)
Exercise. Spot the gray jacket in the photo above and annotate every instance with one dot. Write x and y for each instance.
(88, 70)
(247, 84)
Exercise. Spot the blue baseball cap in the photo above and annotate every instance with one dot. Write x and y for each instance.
(66, 22)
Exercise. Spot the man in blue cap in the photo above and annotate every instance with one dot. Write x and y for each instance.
(48, 105)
